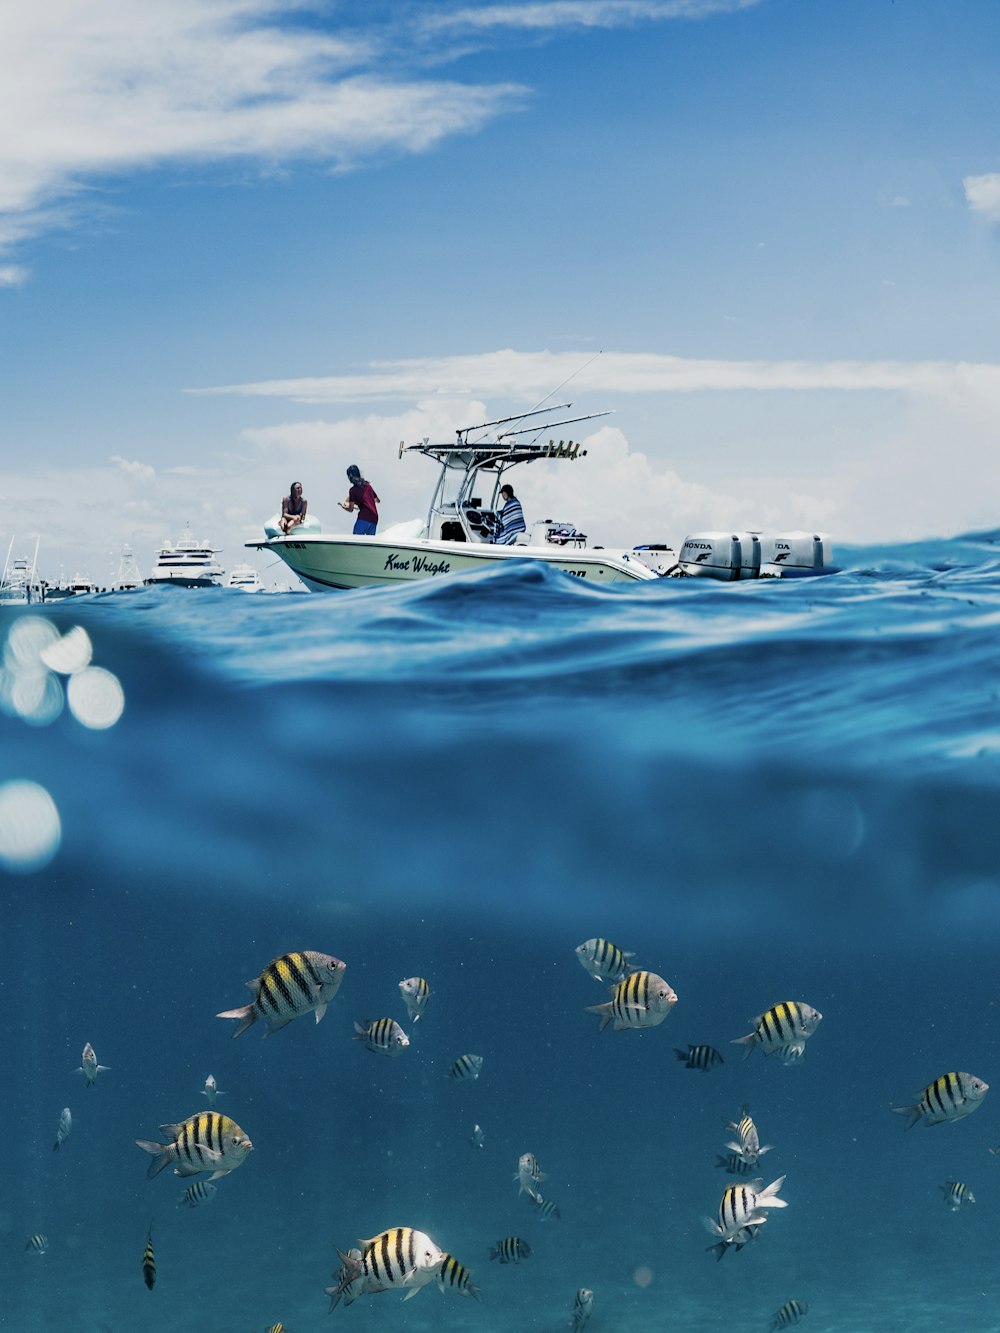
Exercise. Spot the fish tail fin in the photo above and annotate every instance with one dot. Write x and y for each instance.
(603, 1011)
(768, 1198)
(162, 1155)
(749, 1041)
(718, 1250)
(681, 1055)
(911, 1112)
(247, 1016)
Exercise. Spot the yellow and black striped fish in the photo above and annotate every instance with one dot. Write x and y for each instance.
(603, 960)
(415, 992)
(742, 1212)
(782, 1028)
(748, 1144)
(37, 1243)
(583, 1308)
(465, 1068)
(790, 1313)
(290, 986)
(399, 1258)
(350, 1282)
(456, 1276)
(149, 1260)
(949, 1097)
(276, 1328)
(202, 1191)
(956, 1194)
(382, 1035)
(734, 1165)
(511, 1250)
(208, 1141)
(699, 1057)
(641, 1000)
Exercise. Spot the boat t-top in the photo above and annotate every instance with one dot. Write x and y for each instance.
(19, 582)
(188, 564)
(463, 518)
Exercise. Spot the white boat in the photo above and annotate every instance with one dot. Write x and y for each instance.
(245, 578)
(188, 564)
(18, 583)
(457, 534)
(77, 586)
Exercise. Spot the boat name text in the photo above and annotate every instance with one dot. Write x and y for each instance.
(417, 564)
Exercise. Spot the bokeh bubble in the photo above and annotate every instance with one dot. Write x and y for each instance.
(71, 652)
(96, 698)
(30, 829)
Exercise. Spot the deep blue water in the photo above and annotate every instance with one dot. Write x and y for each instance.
(768, 791)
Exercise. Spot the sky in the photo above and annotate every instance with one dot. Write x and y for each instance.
(245, 243)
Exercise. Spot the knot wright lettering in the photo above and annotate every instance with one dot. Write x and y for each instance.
(418, 564)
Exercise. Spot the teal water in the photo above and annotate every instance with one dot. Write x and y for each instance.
(767, 791)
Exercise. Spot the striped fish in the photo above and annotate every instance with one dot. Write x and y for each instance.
(699, 1057)
(742, 1212)
(456, 1276)
(950, 1097)
(546, 1208)
(511, 1250)
(748, 1146)
(207, 1141)
(347, 1288)
(782, 1028)
(65, 1128)
(583, 1308)
(202, 1191)
(415, 992)
(149, 1260)
(790, 1313)
(277, 1328)
(89, 1067)
(641, 1000)
(290, 986)
(734, 1165)
(956, 1194)
(528, 1174)
(382, 1035)
(465, 1068)
(397, 1259)
(603, 960)
(38, 1243)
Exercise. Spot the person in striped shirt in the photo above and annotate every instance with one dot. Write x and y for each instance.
(511, 518)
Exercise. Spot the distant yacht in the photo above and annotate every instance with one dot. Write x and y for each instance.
(246, 578)
(189, 564)
(18, 583)
(128, 576)
(74, 587)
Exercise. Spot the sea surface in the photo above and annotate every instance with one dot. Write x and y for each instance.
(765, 791)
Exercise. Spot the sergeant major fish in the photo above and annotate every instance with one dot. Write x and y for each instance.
(466, 1068)
(37, 1243)
(748, 1148)
(546, 1208)
(457, 1277)
(64, 1129)
(956, 1194)
(742, 1211)
(733, 1165)
(699, 1057)
(790, 1313)
(415, 992)
(783, 1028)
(583, 1308)
(641, 1000)
(290, 986)
(347, 1288)
(603, 960)
(950, 1097)
(211, 1090)
(511, 1250)
(382, 1035)
(149, 1260)
(528, 1174)
(397, 1259)
(89, 1067)
(207, 1141)
(202, 1191)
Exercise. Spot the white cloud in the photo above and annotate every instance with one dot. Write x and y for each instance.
(557, 14)
(982, 194)
(140, 472)
(13, 275)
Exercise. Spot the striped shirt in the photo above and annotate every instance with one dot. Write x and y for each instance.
(511, 522)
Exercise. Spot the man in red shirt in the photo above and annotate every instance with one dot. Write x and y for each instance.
(361, 497)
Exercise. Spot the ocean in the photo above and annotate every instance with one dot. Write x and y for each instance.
(766, 792)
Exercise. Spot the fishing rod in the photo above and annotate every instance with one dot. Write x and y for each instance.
(561, 407)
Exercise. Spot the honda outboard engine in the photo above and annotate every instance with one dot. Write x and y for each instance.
(790, 554)
(720, 555)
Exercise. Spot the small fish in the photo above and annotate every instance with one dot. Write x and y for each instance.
(207, 1141)
(734, 1165)
(583, 1308)
(742, 1212)
(457, 1277)
(528, 1174)
(950, 1097)
(211, 1090)
(782, 1028)
(956, 1194)
(347, 1288)
(415, 992)
(603, 960)
(202, 1191)
(511, 1250)
(699, 1057)
(290, 986)
(89, 1067)
(65, 1128)
(382, 1035)
(400, 1258)
(149, 1260)
(642, 1000)
(277, 1328)
(995, 1151)
(545, 1208)
(38, 1243)
(477, 1138)
(748, 1147)
(465, 1068)
(790, 1313)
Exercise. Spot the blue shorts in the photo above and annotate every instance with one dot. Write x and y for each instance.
(362, 528)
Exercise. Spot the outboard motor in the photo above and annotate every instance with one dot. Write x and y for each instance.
(720, 555)
(791, 554)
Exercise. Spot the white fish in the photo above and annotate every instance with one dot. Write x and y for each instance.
(477, 1138)
(583, 1308)
(641, 1000)
(603, 960)
(89, 1068)
(956, 1194)
(384, 1036)
(415, 992)
(742, 1212)
(65, 1128)
(950, 1097)
(749, 1146)
(399, 1259)
(211, 1090)
(528, 1175)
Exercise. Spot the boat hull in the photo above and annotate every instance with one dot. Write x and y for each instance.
(326, 563)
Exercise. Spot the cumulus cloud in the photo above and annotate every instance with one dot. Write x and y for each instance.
(982, 193)
(140, 472)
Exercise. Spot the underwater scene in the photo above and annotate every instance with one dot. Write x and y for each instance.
(696, 892)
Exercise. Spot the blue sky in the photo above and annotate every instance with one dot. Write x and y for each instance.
(242, 243)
